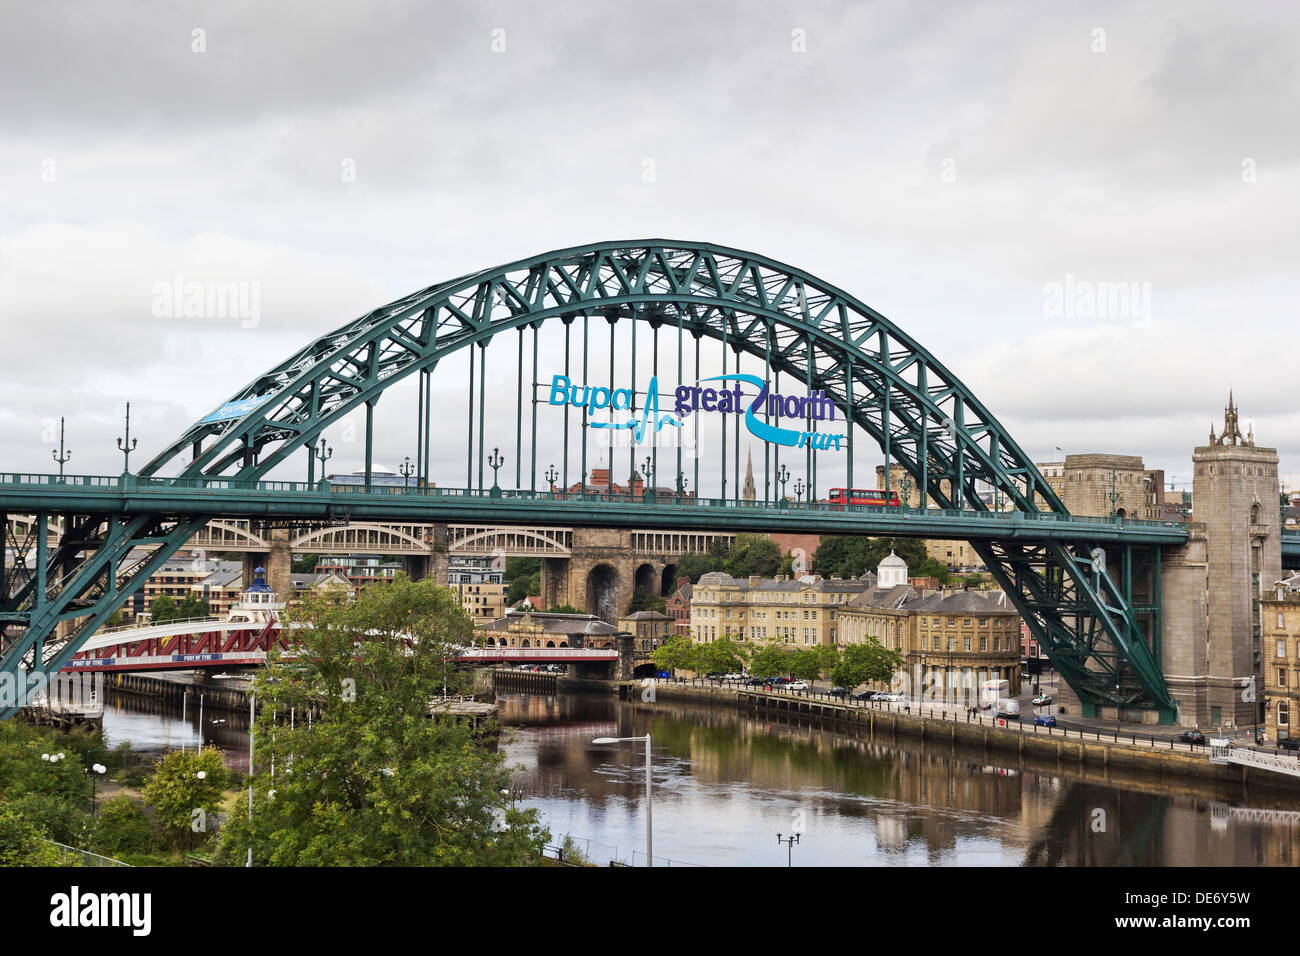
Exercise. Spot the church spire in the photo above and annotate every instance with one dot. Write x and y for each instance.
(1231, 429)
(749, 494)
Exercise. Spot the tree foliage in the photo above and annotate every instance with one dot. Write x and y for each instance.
(678, 653)
(122, 827)
(867, 663)
(162, 609)
(721, 656)
(374, 779)
(523, 578)
(176, 792)
(747, 554)
(850, 555)
(770, 661)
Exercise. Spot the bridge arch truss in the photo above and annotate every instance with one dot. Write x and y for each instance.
(894, 393)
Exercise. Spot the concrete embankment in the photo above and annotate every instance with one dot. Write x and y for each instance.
(172, 689)
(1098, 756)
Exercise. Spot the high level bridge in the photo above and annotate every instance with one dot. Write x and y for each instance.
(706, 346)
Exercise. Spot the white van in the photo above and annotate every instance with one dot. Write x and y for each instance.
(1007, 707)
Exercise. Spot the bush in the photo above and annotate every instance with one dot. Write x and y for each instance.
(123, 827)
(55, 818)
(21, 844)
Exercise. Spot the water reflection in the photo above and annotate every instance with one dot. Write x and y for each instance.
(154, 727)
(726, 784)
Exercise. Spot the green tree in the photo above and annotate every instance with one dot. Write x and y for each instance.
(804, 665)
(374, 779)
(564, 609)
(123, 827)
(304, 563)
(192, 606)
(933, 568)
(21, 843)
(162, 609)
(695, 565)
(678, 653)
(851, 555)
(753, 554)
(64, 819)
(177, 792)
(868, 663)
(770, 661)
(523, 577)
(722, 655)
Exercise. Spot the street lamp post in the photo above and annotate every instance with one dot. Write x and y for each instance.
(1117, 707)
(783, 475)
(127, 444)
(1114, 495)
(407, 470)
(60, 456)
(551, 475)
(495, 461)
(649, 843)
(798, 490)
(95, 771)
(681, 484)
(647, 469)
(324, 453)
(789, 842)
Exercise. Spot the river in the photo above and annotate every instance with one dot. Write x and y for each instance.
(726, 784)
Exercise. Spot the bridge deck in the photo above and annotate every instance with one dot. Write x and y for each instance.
(213, 498)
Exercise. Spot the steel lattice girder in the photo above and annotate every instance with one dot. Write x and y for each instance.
(891, 387)
(1078, 615)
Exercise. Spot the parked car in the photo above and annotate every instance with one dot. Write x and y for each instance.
(1289, 743)
(782, 680)
(865, 695)
(796, 685)
(1045, 720)
(714, 676)
(733, 676)
(757, 681)
(839, 692)
(1194, 737)
(1043, 699)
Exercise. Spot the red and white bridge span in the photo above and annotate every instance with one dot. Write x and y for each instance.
(213, 642)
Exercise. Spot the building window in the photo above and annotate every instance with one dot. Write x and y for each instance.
(1281, 677)
(1282, 714)
(1281, 648)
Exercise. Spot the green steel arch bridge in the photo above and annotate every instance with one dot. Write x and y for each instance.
(806, 372)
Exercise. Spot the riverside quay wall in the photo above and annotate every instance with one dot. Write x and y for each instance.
(1063, 746)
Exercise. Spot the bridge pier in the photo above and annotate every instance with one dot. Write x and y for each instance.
(278, 563)
(416, 566)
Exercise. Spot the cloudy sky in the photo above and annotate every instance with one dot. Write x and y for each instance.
(957, 167)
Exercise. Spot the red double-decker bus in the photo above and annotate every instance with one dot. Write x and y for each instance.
(864, 496)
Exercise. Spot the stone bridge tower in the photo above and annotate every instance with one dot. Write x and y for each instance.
(1236, 499)
(1212, 586)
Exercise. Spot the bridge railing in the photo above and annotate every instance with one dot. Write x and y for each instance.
(145, 485)
(203, 619)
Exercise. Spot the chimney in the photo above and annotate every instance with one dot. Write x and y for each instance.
(754, 580)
